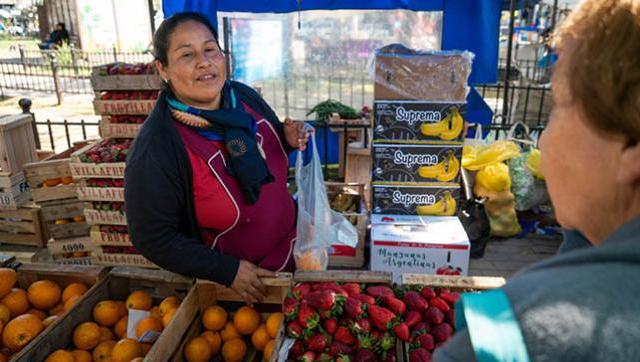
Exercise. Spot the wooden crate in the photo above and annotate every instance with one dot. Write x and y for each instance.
(108, 239)
(17, 142)
(124, 81)
(64, 209)
(101, 217)
(81, 170)
(58, 248)
(122, 259)
(63, 275)
(108, 107)
(52, 167)
(87, 193)
(14, 191)
(116, 285)
(118, 130)
(186, 323)
(22, 226)
(344, 256)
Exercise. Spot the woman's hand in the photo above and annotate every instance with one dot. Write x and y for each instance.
(247, 282)
(295, 134)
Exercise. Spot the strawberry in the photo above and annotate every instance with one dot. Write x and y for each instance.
(420, 328)
(450, 298)
(450, 317)
(378, 291)
(322, 300)
(324, 357)
(389, 357)
(317, 342)
(367, 299)
(402, 332)
(434, 316)
(297, 349)
(353, 308)
(428, 293)
(387, 342)
(294, 330)
(442, 332)
(290, 308)
(365, 342)
(420, 355)
(381, 317)
(307, 317)
(365, 355)
(362, 325)
(394, 304)
(413, 317)
(426, 341)
(330, 325)
(439, 303)
(343, 335)
(300, 290)
(307, 357)
(415, 301)
(338, 348)
(352, 289)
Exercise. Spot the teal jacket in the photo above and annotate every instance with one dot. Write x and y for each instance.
(581, 305)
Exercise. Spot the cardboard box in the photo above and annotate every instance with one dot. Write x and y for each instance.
(426, 199)
(437, 122)
(402, 73)
(413, 244)
(397, 162)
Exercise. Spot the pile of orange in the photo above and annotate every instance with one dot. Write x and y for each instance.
(226, 335)
(105, 338)
(24, 314)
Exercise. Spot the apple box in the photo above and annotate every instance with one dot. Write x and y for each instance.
(418, 244)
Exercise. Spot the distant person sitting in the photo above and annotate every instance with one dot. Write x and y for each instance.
(57, 37)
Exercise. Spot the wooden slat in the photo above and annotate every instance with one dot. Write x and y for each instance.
(97, 217)
(67, 230)
(29, 212)
(63, 210)
(101, 193)
(11, 201)
(132, 107)
(8, 180)
(38, 172)
(117, 259)
(453, 281)
(343, 276)
(18, 226)
(20, 239)
(60, 192)
(101, 170)
(159, 276)
(70, 245)
(125, 82)
(110, 239)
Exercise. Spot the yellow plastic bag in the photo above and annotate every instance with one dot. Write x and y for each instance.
(476, 158)
(494, 177)
(533, 163)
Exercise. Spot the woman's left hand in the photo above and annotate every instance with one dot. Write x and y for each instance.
(295, 134)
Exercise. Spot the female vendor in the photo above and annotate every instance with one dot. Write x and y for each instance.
(206, 191)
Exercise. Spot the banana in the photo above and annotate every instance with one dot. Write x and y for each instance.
(451, 170)
(435, 129)
(450, 205)
(457, 123)
(432, 171)
(445, 206)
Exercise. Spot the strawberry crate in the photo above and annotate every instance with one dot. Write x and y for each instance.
(441, 316)
(110, 235)
(113, 256)
(50, 179)
(76, 250)
(102, 159)
(105, 213)
(14, 191)
(121, 76)
(187, 323)
(348, 199)
(101, 190)
(22, 226)
(125, 102)
(64, 219)
(121, 126)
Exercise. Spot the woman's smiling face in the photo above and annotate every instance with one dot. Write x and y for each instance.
(196, 68)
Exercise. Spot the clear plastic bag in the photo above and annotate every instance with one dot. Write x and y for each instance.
(318, 227)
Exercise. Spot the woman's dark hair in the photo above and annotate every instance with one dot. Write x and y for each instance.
(62, 25)
(162, 35)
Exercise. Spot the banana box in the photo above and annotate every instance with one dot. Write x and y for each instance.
(415, 244)
(396, 162)
(425, 199)
(437, 122)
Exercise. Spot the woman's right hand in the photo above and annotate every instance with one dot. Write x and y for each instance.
(247, 282)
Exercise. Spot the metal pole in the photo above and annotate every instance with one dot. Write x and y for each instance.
(25, 105)
(505, 102)
(226, 29)
(56, 79)
(554, 13)
(152, 16)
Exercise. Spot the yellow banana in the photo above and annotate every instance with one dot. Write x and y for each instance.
(451, 170)
(450, 205)
(432, 171)
(445, 206)
(435, 129)
(457, 123)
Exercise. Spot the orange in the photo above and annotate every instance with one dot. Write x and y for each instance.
(137, 359)
(260, 337)
(79, 218)
(146, 347)
(73, 289)
(66, 180)
(169, 303)
(126, 350)
(20, 331)
(71, 302)
(81, 356)
(57, 310)
(148, 324)
(246, 320)
(155, 312)
(139, 300)
(60, 356)
(44, 294)
(198, 350)
(1, 327)
(86, 336)
(234, 350)
(166, 319)
(3, 357)
(268, 350)
(229, 332)
(106, 334)
(4, 313)
(38, 313)
(102, 352)
(106, 313)
(53, 181)
(214, 340)
(16, 301)
(273, 323)
(123, 308)
(120, 329)
(50, 319)
(214, 318)
(8, 279)
(61, 221)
